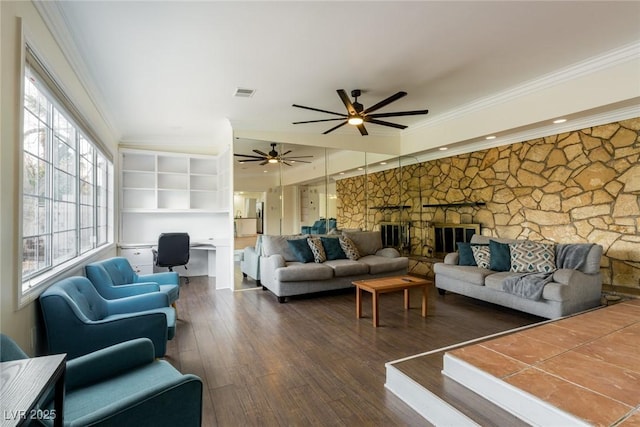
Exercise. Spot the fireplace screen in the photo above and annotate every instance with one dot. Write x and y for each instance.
(395, 235)
(445, 236)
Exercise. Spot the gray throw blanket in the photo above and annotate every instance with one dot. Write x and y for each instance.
(530, 286)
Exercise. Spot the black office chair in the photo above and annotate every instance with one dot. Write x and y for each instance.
(173, 251)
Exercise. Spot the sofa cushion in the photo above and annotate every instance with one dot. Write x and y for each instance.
(332, 248)
(349, 248)
(532, 257)
(367, 242)
(381, 264)
(301, 249)
(318, 250)
(500, 259)
(272, 245)
(347, 267)
(494, 281)
(298, 272)
(482, 255)
(466, 273)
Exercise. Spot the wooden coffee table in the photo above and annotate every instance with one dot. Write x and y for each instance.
(389, 284)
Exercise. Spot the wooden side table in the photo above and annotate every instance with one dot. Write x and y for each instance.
(24, 383)
(389, 284)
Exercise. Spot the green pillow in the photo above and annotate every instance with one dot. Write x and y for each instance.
(465, 254)
(332, 248)
(500, 259)
(301, 250)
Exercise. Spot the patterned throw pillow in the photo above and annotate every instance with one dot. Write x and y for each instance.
(532, 257)
(318, 250)
(482, 255)
(349, 248)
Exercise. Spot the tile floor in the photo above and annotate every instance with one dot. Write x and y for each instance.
(587, 365)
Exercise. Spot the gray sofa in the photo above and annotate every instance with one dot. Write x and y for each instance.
(568, 290)
(284, 275)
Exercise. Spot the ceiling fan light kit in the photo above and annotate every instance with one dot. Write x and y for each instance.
(357, 114)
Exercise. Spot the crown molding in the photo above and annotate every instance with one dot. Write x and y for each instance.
(54, 19)
(610, 59)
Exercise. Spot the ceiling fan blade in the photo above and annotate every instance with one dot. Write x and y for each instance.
(315, 121)
(296, 161)
(400, 113)
(285, 153)
(296, 157)
(317, 109)
(286, 163)
(252, 160)
(264, 163)
(261, 153)
(334, 128)
(362, 130)
(347, 102)
(248, 156)
(385, 102)
(380, 122)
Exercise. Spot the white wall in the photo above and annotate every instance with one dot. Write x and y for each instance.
(15, 320)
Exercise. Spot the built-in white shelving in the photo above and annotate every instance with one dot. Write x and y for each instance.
(160, 181)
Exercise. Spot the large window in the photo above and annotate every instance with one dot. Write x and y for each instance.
(67, 186)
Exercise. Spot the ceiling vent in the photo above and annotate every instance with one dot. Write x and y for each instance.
(244, 93)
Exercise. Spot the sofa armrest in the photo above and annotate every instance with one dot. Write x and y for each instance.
(163, 278)
(108, 362)
(571, 277)
(452, 258)
(388, 253)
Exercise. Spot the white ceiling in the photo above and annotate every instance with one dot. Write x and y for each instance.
(165, 71)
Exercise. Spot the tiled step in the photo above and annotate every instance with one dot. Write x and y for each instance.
(531, 409)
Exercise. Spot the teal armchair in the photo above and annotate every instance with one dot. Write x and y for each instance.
(124, 385)
(78, 320)
(114, 278)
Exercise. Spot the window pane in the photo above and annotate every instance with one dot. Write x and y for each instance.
(64, 246)
(64, 157)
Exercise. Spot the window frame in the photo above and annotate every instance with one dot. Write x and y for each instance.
(102, 183)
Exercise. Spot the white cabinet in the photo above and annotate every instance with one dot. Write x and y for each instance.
(141, 259)
(155, 181)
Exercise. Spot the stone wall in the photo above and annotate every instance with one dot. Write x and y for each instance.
(581, 186)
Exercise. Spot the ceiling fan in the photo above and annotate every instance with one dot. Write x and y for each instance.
(357, 114)
(272, 157)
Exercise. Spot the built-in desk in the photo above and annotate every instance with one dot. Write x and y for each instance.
(25, 383)
(207, 257)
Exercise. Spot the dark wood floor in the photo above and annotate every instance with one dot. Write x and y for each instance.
(310, 361)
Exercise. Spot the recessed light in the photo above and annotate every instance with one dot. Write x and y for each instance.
(360, 169)
(265, 171)
(491, 137)
(559, 121)
(443, 148)
(341, 173)
(383, 163)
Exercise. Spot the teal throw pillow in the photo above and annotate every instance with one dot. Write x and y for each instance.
(301, 250)
(332, 248)
(465, 254)
(500, 256)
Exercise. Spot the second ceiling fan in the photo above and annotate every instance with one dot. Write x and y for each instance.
(357, 114)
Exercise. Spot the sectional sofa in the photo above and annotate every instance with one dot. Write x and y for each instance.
(285, 273)
(570, 282)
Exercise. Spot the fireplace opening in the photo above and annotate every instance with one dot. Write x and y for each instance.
(445, 236)
(395, 235)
